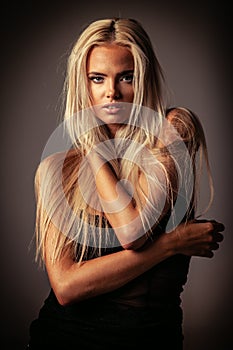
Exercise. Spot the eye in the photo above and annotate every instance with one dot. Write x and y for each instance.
(96, 79)
(128, 78)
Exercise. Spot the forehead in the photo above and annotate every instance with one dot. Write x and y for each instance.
(110, 56)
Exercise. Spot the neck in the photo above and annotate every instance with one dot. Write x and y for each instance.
(113, 129)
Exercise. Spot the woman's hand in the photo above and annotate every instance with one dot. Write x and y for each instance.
(198, 237)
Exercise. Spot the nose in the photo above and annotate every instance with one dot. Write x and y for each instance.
(113, 92)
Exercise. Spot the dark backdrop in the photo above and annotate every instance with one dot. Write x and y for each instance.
(193, 45)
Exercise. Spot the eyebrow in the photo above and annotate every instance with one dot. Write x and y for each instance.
(104, 75)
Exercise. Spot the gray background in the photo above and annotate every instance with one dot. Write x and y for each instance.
(193, 45)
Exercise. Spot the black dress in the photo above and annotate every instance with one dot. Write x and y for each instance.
(145, 312)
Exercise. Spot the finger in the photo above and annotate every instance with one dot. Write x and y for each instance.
(214, 246)
(209, 254)
(217, 237)
(218, 226)
(206, 254)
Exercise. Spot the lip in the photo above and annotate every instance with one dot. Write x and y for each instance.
(112, 108)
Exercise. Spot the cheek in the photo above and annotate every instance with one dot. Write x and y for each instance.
(130, 94)
(96, 92)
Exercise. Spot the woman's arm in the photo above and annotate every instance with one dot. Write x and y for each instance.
(73, 282)
(119, 206)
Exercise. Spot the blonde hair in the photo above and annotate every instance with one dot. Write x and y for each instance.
(148, 84)
(147, 70)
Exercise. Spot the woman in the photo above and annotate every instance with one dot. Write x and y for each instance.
(116, 276)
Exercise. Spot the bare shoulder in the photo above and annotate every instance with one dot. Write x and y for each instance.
(187, 124)
(181, 116)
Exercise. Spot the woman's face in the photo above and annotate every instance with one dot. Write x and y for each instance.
(110, 70)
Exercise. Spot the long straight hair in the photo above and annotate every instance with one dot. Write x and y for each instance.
(85, 237)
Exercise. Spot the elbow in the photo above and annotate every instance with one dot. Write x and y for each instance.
(129, 246)
(67, 293)
(62, 300)
(62, 296)
(63, 293)
(131, 239)
(135, 245)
